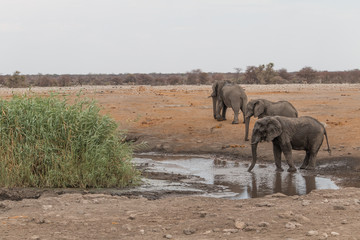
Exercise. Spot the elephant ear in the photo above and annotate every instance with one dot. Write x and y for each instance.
(259, 108)
(273, 129)
(215, 89)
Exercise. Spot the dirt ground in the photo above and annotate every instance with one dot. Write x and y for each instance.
(179, 119)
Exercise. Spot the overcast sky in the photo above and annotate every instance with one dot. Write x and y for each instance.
(168, 36)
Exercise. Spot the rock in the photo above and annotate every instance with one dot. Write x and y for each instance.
(278, 195)
(324, 236)
(287, 214)
(240, 224)
(40, 220)
(35, 237)
(189, 231)
(290, 225)
(168, 236)
(264, 204)
(335, 234)
(216, 230)
(132, 216)
(249, 229)
(338, 207)
(300, 218)
(142, 231)
(203, 214)
(312, 233)
(263, 224)
(47, 207)
(305, 202)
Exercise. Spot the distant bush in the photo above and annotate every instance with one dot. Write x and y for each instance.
(45, 142)
(261, 74)
(16, 80)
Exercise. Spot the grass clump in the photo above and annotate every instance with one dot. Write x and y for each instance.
(46, 142)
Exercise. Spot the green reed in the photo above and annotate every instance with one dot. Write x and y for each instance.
(46, 142)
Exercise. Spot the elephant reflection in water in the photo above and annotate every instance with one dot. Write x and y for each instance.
(287, 186)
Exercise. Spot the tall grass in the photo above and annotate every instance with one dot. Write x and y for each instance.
(45, 142)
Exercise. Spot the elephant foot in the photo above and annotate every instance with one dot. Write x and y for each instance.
(302, 167)
(292, 169)
(279, 169)
(220, 119)
(246, 139)
(235, 122)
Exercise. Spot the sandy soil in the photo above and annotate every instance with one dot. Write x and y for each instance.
(178, 119)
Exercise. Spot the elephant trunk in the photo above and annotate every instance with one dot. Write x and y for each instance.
(253, 150)
(214, 106)
(247, 122)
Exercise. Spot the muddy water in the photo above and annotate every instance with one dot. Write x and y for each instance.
(232, 177)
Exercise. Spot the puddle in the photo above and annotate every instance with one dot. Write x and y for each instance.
(231, 178)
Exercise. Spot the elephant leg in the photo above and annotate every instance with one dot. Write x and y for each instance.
(236, 115)
(277, 156)
(288, 156)
(219, 107)
(312, 162)
(224, 112)
(306, 160)
(242, 108)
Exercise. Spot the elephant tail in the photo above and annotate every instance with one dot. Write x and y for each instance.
(327, 141)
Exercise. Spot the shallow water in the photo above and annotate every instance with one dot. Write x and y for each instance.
(233, 177)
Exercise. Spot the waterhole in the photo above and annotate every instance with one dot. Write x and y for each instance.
(232, 177)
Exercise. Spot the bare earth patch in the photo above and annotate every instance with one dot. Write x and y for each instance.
(178, 119)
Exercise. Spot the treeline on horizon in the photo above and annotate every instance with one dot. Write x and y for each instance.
(262, 74)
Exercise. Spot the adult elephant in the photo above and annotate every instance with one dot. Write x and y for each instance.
(260, 108)
(303, 133)
(228, 95)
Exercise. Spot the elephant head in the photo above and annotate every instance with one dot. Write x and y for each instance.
(265, 129)
(253, 108)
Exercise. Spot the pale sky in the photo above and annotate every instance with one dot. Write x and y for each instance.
(168, 36)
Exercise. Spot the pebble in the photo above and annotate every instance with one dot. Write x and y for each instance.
(305, 202)
(338, 207)
(263, 224)
(335, 234)
(287, 214)
(290, 225)
(249, 229)
(231, 230)
(240, 224)
(168, 236)
(189, 231)
(264, 204)
(312, 233)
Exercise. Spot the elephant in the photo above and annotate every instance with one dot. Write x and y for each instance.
(228, 95)
(260, 108)
(303, 133)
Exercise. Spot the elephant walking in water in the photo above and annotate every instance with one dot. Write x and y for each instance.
(303, 133)
(260, 108)
(228, 95)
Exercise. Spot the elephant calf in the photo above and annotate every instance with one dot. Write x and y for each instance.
(228, 95)
(260, 108)
(303, 133)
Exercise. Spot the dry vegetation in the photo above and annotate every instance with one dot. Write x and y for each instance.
(262, 74)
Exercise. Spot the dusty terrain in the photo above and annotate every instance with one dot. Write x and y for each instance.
(178, 119)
